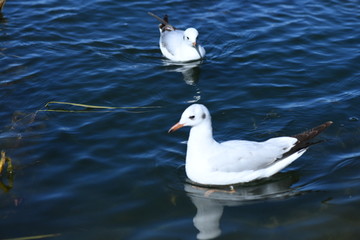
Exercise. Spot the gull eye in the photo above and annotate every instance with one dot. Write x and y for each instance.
(187, 38)
(192, 117)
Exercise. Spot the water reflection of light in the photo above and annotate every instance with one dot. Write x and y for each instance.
(210, 202)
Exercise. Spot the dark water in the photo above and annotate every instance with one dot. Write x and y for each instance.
(273, 68)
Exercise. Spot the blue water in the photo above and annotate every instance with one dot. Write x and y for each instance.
(272, 68)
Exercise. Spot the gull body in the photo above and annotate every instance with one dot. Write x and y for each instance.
(209, 162)
(178, 45)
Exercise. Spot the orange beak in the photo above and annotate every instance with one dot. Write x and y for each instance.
(194, 44)
(175, 127)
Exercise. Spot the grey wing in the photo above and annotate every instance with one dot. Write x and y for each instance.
(247, 155)
(171, 40)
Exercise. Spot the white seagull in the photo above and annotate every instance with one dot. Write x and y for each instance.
(209, 162)
(178, 45)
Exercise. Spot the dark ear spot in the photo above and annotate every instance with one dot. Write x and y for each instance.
(203, 116)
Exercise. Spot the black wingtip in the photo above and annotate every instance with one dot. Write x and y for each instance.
(305, 138)
(2, 3)
(166, 20)
(309, 134)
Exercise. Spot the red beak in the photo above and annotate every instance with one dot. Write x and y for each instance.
(175, 127)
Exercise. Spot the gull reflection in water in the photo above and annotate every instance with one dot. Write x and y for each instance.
(210, 202)
(189, 70)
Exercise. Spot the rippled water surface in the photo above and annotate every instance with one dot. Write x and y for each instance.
(272, 68)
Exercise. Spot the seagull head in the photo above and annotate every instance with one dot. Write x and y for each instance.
(194, 115)
(190, 36)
